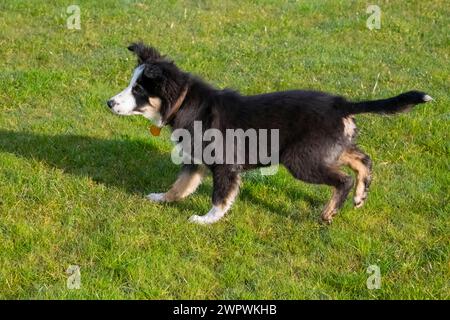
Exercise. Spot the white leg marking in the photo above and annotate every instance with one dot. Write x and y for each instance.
(217, 212)
(214, 215)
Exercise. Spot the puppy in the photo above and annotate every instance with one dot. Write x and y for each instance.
(316, 131)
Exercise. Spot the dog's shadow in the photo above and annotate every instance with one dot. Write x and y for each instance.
(135, 166)
(131, 165)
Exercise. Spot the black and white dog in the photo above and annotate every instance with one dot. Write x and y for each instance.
(316, 130)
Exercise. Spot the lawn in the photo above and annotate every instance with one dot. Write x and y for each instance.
(73, 176)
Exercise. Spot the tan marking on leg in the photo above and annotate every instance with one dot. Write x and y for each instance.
(186, 184)
(330, 209)
(354, 161)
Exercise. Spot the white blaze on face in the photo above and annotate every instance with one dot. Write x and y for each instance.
(124, 102)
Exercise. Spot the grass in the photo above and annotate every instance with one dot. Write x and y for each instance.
(73, 176)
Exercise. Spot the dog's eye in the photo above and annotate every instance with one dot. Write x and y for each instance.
(138, 88)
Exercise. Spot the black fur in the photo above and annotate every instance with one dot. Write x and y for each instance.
(313, 138)
(400, 103)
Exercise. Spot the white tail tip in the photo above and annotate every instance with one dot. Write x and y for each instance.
(427, 98)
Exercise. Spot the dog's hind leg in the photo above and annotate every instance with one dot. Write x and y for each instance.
(226, 186)
(309, 167)
(188, 181)
(342, 184)
(361, 164)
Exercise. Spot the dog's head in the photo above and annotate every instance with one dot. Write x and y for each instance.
(154, 86)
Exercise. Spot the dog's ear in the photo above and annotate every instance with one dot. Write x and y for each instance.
(153, 71)
(134, 47)
(144, 52)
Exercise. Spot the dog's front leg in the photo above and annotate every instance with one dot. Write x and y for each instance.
(226, 187)
(189, 179)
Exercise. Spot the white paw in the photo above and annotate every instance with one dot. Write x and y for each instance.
(214, 215)
(156, 197)
(206, 219)
(359, 201)
(198, 219)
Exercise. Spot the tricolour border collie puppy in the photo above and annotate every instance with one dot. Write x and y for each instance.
(316, 130)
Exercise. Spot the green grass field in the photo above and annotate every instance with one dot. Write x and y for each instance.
(73, 176)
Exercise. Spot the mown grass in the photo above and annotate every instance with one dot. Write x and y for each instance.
(73, 176)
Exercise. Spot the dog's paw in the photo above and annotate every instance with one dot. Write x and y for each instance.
(327, 216)
(359, 201)
(203, 220)
(326, 220)
(156, 197)
(197, 219)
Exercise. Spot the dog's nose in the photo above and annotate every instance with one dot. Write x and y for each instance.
(111, 103)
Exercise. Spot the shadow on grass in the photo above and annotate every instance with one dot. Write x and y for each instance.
(289, 211)
(132, 165)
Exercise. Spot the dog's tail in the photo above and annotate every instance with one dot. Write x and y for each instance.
(401, 103)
